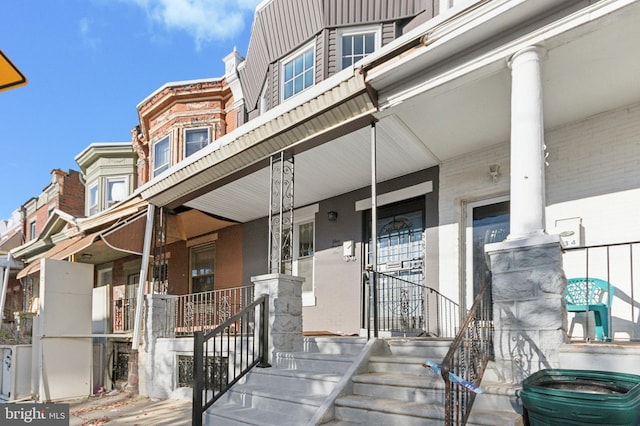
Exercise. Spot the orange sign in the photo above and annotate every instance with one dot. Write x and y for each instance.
(10, 75)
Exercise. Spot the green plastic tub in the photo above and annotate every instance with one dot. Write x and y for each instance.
(577, 397)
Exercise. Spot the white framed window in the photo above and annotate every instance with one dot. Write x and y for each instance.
(356, 43)
(195, 140)
(161, 155)
(105, 276)
(116, 190)
(304, 241)
(92, 207)
(32, 230)
(298, 71)
(203, 267)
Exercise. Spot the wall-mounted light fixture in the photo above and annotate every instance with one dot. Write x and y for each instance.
(332, 216)
(86, 256)
(494, 172)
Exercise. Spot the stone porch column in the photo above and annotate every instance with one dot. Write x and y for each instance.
(285, 311)
(528, 281)
(155, 326)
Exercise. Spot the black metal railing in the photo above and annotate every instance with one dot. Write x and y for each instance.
(467, 358)
(617, 264)
(406, 308)
(224, 355)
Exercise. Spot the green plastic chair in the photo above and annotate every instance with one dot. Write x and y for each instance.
(584, 295)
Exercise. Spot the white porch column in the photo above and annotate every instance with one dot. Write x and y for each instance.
(528, 281)
(527, 145)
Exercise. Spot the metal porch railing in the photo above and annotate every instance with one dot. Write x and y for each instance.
(468, 356)
(619, 265)
(224, 355)
(406, 308)
(124, 313)
(204, 311)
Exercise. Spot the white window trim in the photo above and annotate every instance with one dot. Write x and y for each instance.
(209, 245)
(100, 275)
(289, 58)
(33, 230)
(97, 201)
(106, 188)
(264, 104)
(184, 138)
(153, 150)
(395, 196)
(376, 29)
(301, 216)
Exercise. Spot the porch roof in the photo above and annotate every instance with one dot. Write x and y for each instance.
(433, 101)
(60, 252)
(308, 120)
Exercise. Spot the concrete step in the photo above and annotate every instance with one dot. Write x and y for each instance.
(300, 380)
(313, 361)
(400, 364)
(427, 348)
(293, 402)
(427, 390)
(297, 384)
(494, 418)
(381, 411)
(499, 396)
(612, 356)
(337, 345)
(238, 415)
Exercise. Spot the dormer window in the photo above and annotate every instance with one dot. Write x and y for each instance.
(161, 155)
(298, 72)
(195, 140)
(354, 44)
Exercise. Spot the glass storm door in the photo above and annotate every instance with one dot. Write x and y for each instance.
(489, 224)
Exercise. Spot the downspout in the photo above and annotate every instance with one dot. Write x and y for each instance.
(142, 280)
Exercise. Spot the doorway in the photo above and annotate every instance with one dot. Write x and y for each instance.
(487, 222)
(400, 247)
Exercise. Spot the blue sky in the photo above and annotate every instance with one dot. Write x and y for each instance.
(89, 63)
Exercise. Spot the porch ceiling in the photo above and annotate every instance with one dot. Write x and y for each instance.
(450, 109)
(330, 169)
(464, 107)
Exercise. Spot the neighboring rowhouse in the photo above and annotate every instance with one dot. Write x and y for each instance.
(65, 194)
(180, 118)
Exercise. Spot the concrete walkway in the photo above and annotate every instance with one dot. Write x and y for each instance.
(128, 409)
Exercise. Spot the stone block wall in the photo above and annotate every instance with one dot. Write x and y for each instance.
(528, 308)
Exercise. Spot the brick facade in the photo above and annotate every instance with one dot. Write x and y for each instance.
(171, 110)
